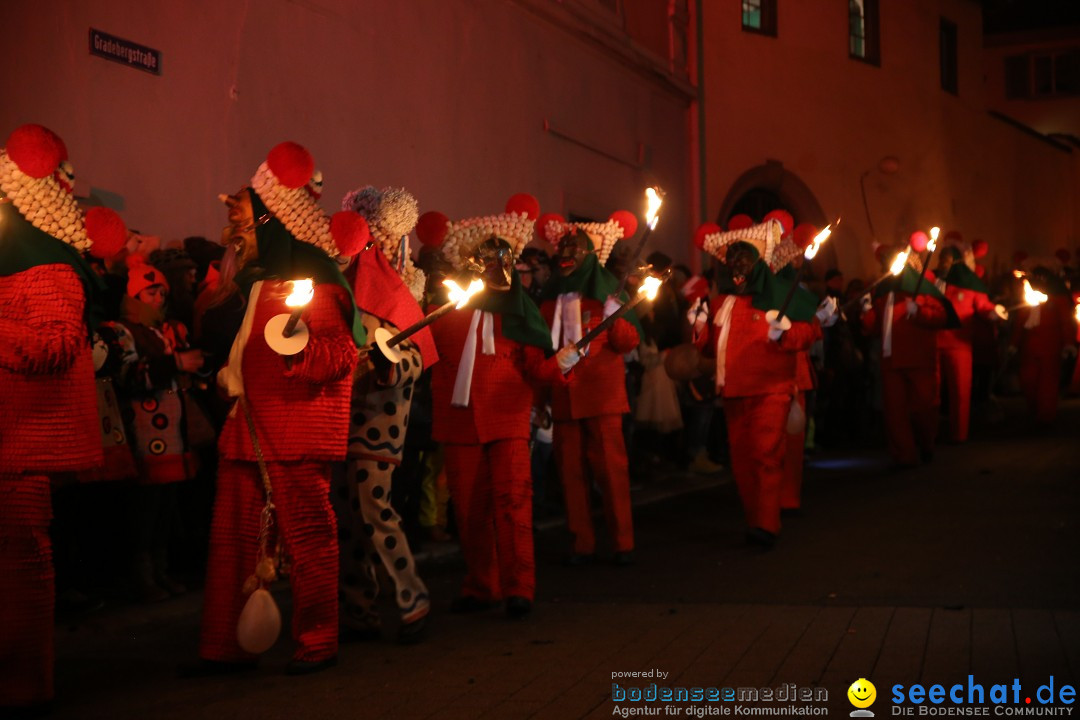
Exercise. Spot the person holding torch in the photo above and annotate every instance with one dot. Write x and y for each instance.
(906, 311)
(289, 423)
(492, 355)
(760, 325)
(587, 434)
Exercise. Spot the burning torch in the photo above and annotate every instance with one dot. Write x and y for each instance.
(654, 198)
(931, 245)
(459, 298)
(1032, 297)
(897, 267)
(650, 285)
(286, 334)
(809, 253)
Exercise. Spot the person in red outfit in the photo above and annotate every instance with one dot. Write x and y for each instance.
(291, 413)
(49, 305)
(587, 412)
(1044, 335)
(491, 357)
(907, 324)
(969, 298)
(755, 353)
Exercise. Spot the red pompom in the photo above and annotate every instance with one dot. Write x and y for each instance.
(543, 221)
(1019, 257)
(106, 231)
(626, 220)
(1063, 255)
(36, 150)
(740, 222)
(524, 203)
(291, 164)
(432, 227)
(918, 241)
(783, 217)
(804, 234)
(980, 271)
(979, 248)
(703, 231)
(954, 236)
(350, 232)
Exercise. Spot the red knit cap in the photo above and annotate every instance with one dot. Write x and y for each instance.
(142, 275)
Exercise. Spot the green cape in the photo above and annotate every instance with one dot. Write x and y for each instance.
(521, 319)
(23, 246)
(964, 277)
(283, 257)
(591, 280)
(907, 282)
(769, 291)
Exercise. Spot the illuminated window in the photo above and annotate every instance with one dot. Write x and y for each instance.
(948, 45)
(759, 16)
(863, 43)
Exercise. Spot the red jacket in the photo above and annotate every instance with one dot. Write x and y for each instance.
(967, 303)
(48, 397)
(301, 409)
(598, 383)
(754, 364)
(913, 342)
(1056, 329)
(502, 387)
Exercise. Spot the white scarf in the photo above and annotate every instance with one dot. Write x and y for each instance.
(231, 377)
(566, 323)
(886, 326)
(1034, 318)
(463, 381)
(723, 321)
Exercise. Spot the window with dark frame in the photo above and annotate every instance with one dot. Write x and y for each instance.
(948, 45)
(863, 31)
(1043, 75)
(759, 16)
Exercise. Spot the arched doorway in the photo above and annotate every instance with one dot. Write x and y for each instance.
(769, 187)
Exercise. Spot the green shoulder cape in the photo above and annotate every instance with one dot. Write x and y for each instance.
(521, 319)
(591, 280)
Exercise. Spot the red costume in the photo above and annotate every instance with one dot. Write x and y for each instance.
(49, 420)
(908, 365)
(954, 355)
(299, 408)
(1042, 334)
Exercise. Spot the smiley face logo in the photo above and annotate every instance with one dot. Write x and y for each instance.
(862, 693)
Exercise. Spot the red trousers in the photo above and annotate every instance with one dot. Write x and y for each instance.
(594, 446)
(27, 590)
(1039, 378)
(791, 485)
(758, 440)
(305, 521)
(954, 370)
(491, 486)
(910, 412)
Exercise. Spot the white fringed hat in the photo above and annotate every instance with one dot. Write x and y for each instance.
(38, 180)
(765, 237)
(460, 239)
(622, 224)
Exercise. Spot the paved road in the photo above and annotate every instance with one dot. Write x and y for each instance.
(967, 566)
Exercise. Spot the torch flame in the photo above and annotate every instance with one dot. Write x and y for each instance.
(812, 249)
(1077, 313)
(302, 292)
(655, 198)
(934, 232)
(461, 295)
(1033, 297)
(899, 263)
(650, 286)
(1018, 274)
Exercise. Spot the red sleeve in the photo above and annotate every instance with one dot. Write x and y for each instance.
(544, 371)
(622, 336)
(330, 354)
(800, 336)
(931, 313)
(53, 335)
(983, 304)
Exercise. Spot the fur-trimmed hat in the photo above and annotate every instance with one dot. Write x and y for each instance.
(391, 214)
(290, 187)
(36, 177)
(765, 237)
(460, 239)
(620, 225)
